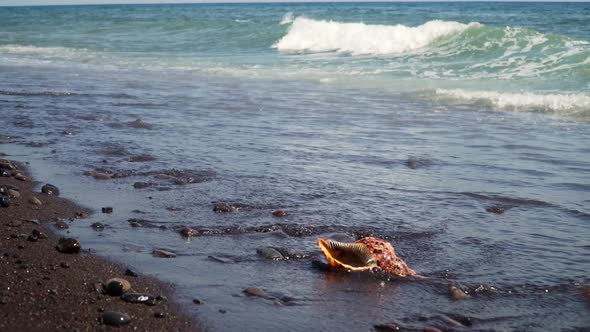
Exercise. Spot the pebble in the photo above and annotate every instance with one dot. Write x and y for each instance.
(139, 298)
(187, 232)
(198, 301)
(269, 253)
(107, 209)
(163, 253)
(7, 164)
(458, 294)
(64, 265)
(141, 185)
(255, 291)
(221, 207)
(97, 226)
(117, 286)
(115, 318)
(279, 213)
(223, 260)
(4, 173)
(160, 314)
(223, 311)
(38, 234)
(60, 224)
(4, 201)
(35, 201)
(497, 209)
(32, 238)
(50, 189)
(22, 177)
(68, 246)
(13, 193)
(101, 176)
(130, 273)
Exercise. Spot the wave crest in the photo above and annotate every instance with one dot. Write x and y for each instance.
(308, 35)
(575, 104)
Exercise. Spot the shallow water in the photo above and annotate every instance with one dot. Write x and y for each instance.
(343, 162)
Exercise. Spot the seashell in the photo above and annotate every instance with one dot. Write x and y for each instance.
(367, 254)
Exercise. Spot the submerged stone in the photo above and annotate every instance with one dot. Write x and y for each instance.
(269, 253)
(50, 189)
(163, 253)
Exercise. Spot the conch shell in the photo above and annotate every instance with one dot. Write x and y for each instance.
(366, 254)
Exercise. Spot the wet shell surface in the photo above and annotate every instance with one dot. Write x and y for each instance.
(366, 254)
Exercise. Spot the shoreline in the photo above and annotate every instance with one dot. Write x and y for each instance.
(43, 289)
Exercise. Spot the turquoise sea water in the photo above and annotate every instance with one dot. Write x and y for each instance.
(518, 56)
(457, 131)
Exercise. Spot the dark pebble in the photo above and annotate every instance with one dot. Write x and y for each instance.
(32, 238)
(141, 185)
(187, 232)
(97, 226)
(107, 209)
(68, 246)
(269, 253)
(319, 265)
(60, 224)
(117, 286)
(160, 314)
(21, 247)
(38, 234)
(223, 311)
(130, 273)
(4, 173)
(139, 298)
(50, 189)
(2, 301)
(4, 201)
(221, 207)
(198, 301)
(497, 209)
(115, 318)
(64, 265)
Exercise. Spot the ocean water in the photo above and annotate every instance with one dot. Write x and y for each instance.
(407, 121)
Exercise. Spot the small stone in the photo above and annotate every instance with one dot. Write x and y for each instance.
(64, 265)
(32, 238)
(4, 173)
(134, 224)
(497, 209)
(139, 298)
(255, 291)
(160, 314)
(221, 207)
(22, 177)
(21, 247)
(163, 253)
(269, 253)
(35, 201)
(279, 213)
(7, 164)
(101, 176)
(223, 260)
(198, 301)
(68, 246)
(38, 234)
(141, 185)
(223, 311)
(60, 224)
(139, 124)
(117, 286)
(50, 189)
(13, 193)
(187, 232)
(130, 273)
(99, 287)
(67, 133)
(115, 318)
(4, 201)
(97, 226)
(107, 209)
(458, 294)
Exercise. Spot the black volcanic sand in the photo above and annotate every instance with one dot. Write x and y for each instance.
(42, 289)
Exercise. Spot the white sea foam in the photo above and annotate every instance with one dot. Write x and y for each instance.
(363, 39)
(565, 104)
(287, 18)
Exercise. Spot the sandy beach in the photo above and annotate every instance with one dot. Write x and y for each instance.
(43, 289)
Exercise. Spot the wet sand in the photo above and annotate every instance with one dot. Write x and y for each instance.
(42, 289)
